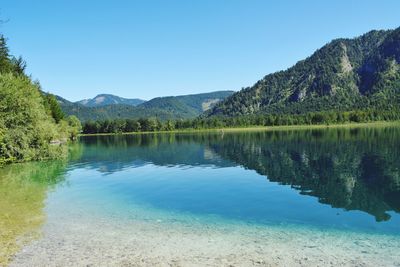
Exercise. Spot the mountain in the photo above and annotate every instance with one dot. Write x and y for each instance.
(163, 108)
(107, 99)
(192, 105)
(345, 74)
(63, 101)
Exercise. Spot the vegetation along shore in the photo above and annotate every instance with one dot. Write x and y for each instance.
(32, 124)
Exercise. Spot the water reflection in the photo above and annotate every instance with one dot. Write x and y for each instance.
(111, 154)
(354, 169)
(23, 189)
(350, 169)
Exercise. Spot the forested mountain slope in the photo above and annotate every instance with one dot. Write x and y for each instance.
(163, 108)
(345, 74)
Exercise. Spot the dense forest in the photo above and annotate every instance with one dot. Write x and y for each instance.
(313, 118)
(32, 124)
(345, 75)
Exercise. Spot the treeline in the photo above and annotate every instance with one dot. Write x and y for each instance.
(32, 125)
(312, 118)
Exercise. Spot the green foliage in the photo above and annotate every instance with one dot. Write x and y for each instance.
(31, 123)
(311, 118)
(191, 105)
(19, 65)
(5, 64)
(51, 104)
(8, 63)
(75, 126)
(344, 75)
(27, 128)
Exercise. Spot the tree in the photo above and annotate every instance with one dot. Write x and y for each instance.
(27, 128)
(5, 64)
(52, 105)
(19, 65)
(169, 125)
(29, 119)
(75, 127)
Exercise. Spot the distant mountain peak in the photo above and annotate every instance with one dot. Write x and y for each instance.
(109, 99)
(107, 106)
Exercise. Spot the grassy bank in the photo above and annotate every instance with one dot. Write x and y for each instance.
(264, 128)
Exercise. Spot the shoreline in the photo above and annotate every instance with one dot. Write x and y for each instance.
(174, 244)
(95, 220)
(262, 128)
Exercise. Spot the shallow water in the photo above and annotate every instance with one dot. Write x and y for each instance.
(318, 197)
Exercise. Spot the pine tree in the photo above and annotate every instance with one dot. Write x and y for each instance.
(5, 63)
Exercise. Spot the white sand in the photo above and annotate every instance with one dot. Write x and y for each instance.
(99, 242)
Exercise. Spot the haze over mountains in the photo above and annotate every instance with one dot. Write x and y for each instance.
(106, 106)
(345, 74)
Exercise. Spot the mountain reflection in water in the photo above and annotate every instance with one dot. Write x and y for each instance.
(353, 169)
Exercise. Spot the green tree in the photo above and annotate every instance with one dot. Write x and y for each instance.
(53, 107)
(5, 64)
(26, 128)
(75, 127)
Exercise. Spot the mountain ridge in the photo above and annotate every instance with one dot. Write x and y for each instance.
(109, 99)
(163, 108)
(345, 74)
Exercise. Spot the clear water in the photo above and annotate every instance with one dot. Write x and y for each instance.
(343, 180)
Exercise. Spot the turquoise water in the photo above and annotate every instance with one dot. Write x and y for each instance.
(339, 182)
(338, 179)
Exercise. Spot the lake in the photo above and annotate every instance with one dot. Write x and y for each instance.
(323, 197)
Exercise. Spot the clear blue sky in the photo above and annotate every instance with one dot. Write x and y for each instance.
(149, 48)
